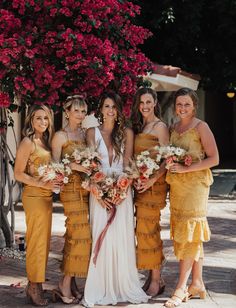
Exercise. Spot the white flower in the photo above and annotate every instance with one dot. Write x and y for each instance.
(123, 195)
(86, 163)
(145, 153)
(158, 158)
(109, 181)
(41, 170)
(179, 151)
(65, 180)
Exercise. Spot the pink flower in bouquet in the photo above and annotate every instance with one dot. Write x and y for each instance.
(144, 165)
(123, 182)
(173, 154)
(96, 191)
(58, 172)
(87, 157)
(188, 160)
(98, 177)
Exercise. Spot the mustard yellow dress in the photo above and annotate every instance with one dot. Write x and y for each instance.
(188, 200)
(148, 213)
(37, 204)
(77, 246)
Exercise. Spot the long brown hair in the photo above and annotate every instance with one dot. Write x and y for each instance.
(118, 132)
(136, 116)
(28, 130)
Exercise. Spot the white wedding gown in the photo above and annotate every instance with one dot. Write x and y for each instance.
(115, 277)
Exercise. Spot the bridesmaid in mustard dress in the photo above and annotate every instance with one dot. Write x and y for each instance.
(189, 190)
(33, 151)
(150, 197)
(77, 246)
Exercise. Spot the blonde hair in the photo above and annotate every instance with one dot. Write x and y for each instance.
(28, 130)
(74, 101)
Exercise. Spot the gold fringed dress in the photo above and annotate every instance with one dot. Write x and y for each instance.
(148, 213)
(188, 200)
(77, 246)
(37, 204)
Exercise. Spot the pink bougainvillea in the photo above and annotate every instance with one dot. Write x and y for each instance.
(4, 100)
(53, 48)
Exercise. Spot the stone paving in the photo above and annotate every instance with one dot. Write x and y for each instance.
(219, 270)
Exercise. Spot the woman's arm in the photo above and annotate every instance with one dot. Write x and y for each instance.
(24, 150)
(210, 148)
(57, 142)
(90, 136)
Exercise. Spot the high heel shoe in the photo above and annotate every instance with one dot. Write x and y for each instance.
(57, 294)
(177, 298)
(74, 289)
(35, 295)
(147, 282)
(161, 287)
(193, 292)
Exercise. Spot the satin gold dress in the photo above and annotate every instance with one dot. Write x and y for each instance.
(37, 204)
(77, 246)
(188, 200)
(148, 213)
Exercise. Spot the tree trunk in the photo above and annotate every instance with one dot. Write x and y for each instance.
(6, 186)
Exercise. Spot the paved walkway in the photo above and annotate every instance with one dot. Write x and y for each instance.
(219, 270)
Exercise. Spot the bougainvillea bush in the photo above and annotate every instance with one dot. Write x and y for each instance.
(53, 48)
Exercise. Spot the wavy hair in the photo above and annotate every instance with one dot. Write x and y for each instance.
(118, 131)
(28, 130)
(136, 116)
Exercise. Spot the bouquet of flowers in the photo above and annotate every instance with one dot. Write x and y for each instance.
(89, 158)
(144, 165)
(173, 154)
(56, 171)
(108, 187)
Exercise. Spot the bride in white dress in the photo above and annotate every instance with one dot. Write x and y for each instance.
(114, 278)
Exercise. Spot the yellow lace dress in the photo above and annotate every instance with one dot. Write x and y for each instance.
(188, 200)
(148, 213)
(37, 204)
(77, 246)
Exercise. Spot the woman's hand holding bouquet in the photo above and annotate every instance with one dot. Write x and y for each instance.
(143, 168)
(177, 159)
(56, 174)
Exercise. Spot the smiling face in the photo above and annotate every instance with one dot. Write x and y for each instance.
(40, 121)
(147, 105)
(109, 109)
(184, 107)
(76, 113)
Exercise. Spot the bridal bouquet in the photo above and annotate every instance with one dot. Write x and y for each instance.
(144, 165)
(88, 157)
(173, 154)
(56, 171)
(108, 187)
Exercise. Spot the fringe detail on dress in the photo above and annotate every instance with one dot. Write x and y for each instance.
(77, 226)
(77, 257)
(150, 250)
(149, 219)
(77, 212)
(78, 241)
(194, 230)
